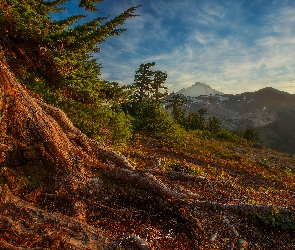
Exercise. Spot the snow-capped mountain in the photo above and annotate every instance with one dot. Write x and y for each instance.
(270, 111)
(198, 89)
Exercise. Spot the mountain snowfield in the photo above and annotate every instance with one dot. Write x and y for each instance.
(270, 111)
(199, 89)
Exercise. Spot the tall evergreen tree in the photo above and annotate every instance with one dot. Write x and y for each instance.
(142, 82)
(213, 125)
(251, 134)
(148, 83)
(56, 53)
(157, 84)
(192, 121)
(202, 119)
(178, 112)
(53, 58)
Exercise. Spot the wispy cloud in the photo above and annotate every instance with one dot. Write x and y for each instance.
(232, 46)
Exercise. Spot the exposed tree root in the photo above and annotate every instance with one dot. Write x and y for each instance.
(142, 180)
(30, 128)
(231, 227)
(178, 175)
(28, 222)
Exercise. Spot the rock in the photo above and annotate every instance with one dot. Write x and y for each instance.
(242, 243)
(137, 242)
(214, 237)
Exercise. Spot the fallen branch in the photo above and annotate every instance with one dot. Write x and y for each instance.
(142, 180)
(231, 227)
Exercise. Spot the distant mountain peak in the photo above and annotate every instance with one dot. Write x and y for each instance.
(273, 90)
(199, 89)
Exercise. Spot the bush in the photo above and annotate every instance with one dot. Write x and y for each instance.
(273, 218)
(100, 122)
(179, 167)
(228, 135)
(175, 135)
(202, 133)
(149, 117)
(120, 126)
(213, 125)
(251, 135)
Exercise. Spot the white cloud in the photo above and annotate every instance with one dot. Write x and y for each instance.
(216, 45)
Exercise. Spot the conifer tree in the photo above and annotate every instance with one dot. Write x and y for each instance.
(178, 112)
(251, 134)
(213, 125)
(53, 58)
(157, 84)
(192, 121)
(202, 119)
(56, 53)
(142, 82)
(148, 84)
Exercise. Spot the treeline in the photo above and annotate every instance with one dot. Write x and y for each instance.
(155, 113)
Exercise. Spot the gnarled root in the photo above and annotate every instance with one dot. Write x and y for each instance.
(32, 224)
(32, 123)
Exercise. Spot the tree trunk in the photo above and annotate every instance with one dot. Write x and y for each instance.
(31, 129)
(29, 124)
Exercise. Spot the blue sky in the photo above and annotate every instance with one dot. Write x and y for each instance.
(232, 45)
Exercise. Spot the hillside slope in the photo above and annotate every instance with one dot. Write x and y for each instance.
(271, 112)
(224, 196)
(60, 189)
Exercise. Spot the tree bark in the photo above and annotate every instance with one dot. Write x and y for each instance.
(30, 128)
(33, 125)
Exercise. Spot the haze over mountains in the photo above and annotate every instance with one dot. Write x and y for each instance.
(270, 111)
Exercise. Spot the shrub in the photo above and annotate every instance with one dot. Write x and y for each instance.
(175, 135)
(179, 167)
(273, 218)
(251, 135)
(149, 117)
(102, 123)
(228, 135)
